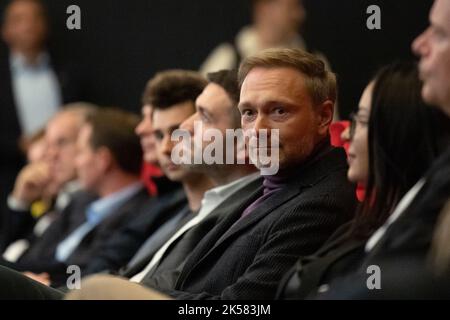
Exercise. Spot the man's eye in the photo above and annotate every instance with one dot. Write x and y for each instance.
(204, 117)
(158, 136)
(279, 111)
(247, 113)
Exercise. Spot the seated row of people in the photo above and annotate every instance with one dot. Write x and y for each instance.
(239, 235)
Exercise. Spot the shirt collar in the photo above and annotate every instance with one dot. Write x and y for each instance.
(18, 61)
(220, 193)
(103, 207)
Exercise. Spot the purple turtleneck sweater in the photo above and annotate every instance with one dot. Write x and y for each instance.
(271, 185)
(275, 183)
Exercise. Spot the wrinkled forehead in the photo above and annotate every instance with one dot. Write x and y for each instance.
(24, 7)
(263, 84)
(65, 125)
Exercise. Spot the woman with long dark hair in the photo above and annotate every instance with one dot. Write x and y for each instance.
(394, 138)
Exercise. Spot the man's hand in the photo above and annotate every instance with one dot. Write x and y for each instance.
(43, 278)
(31, 182)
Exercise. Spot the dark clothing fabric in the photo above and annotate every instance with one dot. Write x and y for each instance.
(406, 243)
(12, 160)
(119, 249)
(402, 276)
(339, 256)
(165, 274)
(40, 257)
(246, 260)
(42, 252)
(15, 286)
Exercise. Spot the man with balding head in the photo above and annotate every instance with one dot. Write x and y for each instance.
(55, 172)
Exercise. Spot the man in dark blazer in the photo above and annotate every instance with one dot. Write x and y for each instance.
(234, 183)
(245, 255)
(108, 164)
(169, 95)
(297, 209)
(56, 171)
(25, 30)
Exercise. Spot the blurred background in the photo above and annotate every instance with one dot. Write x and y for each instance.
(123, 43)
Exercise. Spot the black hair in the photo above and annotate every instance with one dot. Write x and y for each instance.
(405, 137)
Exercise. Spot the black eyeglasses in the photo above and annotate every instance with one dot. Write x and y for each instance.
(354, 120)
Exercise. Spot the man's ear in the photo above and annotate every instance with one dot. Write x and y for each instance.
(4, 34)
(325, 113)
(105, 159)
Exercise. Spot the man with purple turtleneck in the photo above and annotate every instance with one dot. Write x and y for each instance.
(295, 211)
(300, 206)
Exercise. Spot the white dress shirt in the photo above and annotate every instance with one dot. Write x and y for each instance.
(401, 207)
(36, 91)
(211, 200)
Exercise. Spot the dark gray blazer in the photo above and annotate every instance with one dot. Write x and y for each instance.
(164, 275)
(40, 257)
(246, 260)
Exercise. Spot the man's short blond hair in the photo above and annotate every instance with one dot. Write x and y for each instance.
(320, 82)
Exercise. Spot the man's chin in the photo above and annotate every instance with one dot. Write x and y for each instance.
(174, 175)
(150, 160)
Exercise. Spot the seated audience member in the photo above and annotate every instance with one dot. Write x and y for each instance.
(298, 208)
(275, 25)
(215, 110)
(170, 94)
(392, 126)
(157, 264)
(401, 247)
(34, 148)
(34, 84)
(166, 90)
(439, 255)
(54, 174)
(108, 163)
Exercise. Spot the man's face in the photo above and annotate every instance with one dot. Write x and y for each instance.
(433, 47)
(24, 27)
(277, 98)
(164, 123)
(145, 131)
(61, 136)
(214, 110)
(89, 162)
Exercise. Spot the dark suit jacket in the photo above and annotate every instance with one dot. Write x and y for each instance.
(121, 247)
(246, 260)
(402, 276)
(339, 256)
(408, 240)
(12, 159)
(164, 275)
(41, 256)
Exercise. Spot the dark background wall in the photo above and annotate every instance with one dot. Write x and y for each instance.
(124, 42)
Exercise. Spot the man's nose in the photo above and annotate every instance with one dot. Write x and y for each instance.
(166, 145)
(188, 124)
(419, 45)
(261, 123)
(143, 127)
